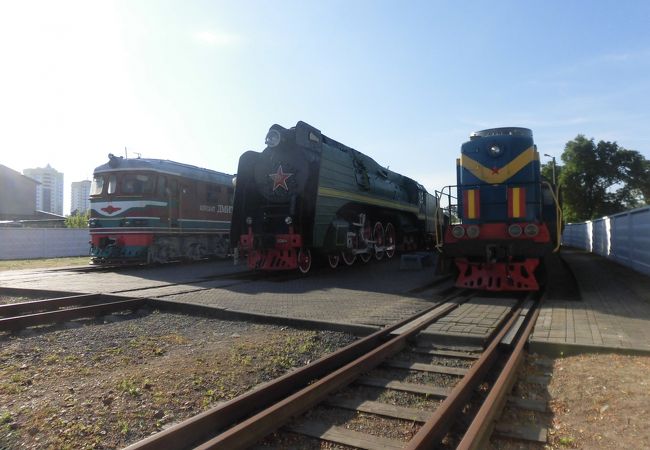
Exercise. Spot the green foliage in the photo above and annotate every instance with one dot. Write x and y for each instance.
(77, 220)
(599, 179)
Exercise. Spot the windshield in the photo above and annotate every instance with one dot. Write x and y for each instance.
(98, 185)
(136, 184)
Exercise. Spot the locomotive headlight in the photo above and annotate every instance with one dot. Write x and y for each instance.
(514, 230)
(288, 220)
(473, 231)
(249, 220)
(273, 138)
(495, 150)
(531, 230)
(458, 231)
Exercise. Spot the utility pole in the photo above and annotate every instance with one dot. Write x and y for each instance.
(552, 166)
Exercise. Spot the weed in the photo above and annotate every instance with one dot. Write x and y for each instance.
(129, 387)
(566, 441)
(51, 359)
(6, 417)
(123, 425)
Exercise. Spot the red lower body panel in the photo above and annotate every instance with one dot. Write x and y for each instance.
(283, 256)
(500, 276)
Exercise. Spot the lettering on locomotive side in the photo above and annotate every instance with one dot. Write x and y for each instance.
(226, 209)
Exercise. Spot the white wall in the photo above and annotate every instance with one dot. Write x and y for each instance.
(26, 243)
(623, 237)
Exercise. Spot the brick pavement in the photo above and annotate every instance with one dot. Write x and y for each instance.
(376, 294)
(471, 323)
(614, 312)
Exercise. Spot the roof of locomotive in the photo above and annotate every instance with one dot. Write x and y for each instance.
(372, 165)
(503, 131)
(121, 164)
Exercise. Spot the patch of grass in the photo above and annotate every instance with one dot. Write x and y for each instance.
(6, 417)
(17, 264)
(129, 387)
(9, 388)
(123, 426)
(566, 441)
(51, 359)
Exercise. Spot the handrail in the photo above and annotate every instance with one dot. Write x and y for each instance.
(558, 219)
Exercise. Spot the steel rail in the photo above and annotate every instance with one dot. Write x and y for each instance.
(481, 427)
(28, 320)
(434, 430)
(265, 422)
(51, 304)
(200, 427)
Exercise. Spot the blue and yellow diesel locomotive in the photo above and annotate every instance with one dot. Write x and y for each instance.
(506, 217)
(156, 211)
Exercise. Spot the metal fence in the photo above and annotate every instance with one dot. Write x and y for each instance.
(27, 243)
(623, 237)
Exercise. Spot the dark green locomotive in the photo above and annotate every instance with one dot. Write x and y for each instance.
(307, 194)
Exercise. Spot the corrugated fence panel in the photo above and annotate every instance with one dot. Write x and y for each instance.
(623, 237)
(600, 237)
(631, 239)
(27, 243)
(576, 235)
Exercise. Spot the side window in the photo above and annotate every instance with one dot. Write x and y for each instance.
(162, 186)
(112, 184)
(212, 193)
(173, 187)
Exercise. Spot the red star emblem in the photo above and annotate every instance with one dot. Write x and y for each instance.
(110, 209)
(280, 179)
(495, 170)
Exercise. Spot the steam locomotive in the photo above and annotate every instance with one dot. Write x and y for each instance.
(156, 211)
(306, 194)
(507, 218)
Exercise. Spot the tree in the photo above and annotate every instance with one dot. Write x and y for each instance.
(77, 220)
(602, 179)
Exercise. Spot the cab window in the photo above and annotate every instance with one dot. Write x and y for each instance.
(98, 185)
(112, 184)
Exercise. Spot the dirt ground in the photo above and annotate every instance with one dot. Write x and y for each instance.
(596, 401)
(108, 384)
(601, 401)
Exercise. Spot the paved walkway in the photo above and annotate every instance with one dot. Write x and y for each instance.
(613, 313)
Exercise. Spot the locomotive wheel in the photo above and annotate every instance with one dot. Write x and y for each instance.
(304, 260)
(365, 257)
(378, 237)
(348, 258)
(333, 261)
(390, 236)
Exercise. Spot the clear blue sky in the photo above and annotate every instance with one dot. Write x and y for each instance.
(405, 82)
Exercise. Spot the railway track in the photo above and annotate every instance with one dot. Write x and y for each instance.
(307, 403)
(15, 316)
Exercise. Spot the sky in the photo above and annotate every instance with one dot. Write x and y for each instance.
(201, 82)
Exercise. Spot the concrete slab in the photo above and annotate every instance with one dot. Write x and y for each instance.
(612, 315)
(472, 323)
